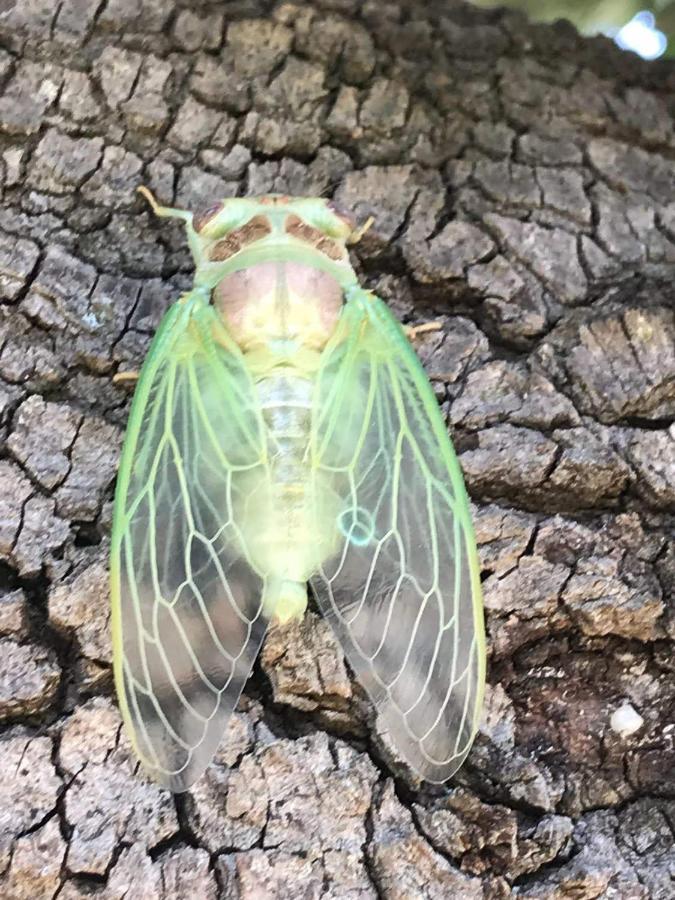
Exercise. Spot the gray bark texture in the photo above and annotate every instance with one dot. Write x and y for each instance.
(522, 183)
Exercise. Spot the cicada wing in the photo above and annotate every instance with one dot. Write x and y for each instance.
(403, 592)
(186, 599)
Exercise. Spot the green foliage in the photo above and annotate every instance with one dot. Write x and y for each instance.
(593, 16)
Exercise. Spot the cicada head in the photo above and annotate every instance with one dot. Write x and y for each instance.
(238, 224)
(228, 227)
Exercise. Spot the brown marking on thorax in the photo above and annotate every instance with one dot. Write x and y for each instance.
(256, 228)
(304, 232)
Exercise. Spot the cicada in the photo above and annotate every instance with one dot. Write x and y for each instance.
(283, 432)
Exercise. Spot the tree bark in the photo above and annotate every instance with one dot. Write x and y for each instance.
(522, 184)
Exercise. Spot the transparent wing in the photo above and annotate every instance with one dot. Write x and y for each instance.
(186, 600)
(403, 591)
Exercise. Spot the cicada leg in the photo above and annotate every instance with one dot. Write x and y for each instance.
(413, 331)
(125, 377)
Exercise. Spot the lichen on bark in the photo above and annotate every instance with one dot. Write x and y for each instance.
(522, 184)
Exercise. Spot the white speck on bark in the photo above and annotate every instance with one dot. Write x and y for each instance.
(625, 720)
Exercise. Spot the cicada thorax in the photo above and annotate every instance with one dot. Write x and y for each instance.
(285, 294)
(278, 301)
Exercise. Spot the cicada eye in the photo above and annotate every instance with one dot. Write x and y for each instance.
(200, 219)
(342, 214)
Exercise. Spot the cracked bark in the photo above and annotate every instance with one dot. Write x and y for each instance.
(522, 183)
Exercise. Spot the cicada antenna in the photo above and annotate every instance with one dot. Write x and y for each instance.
(358, 233)
(169, 212)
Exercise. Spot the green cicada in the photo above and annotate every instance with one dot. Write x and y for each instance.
(283, 431)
